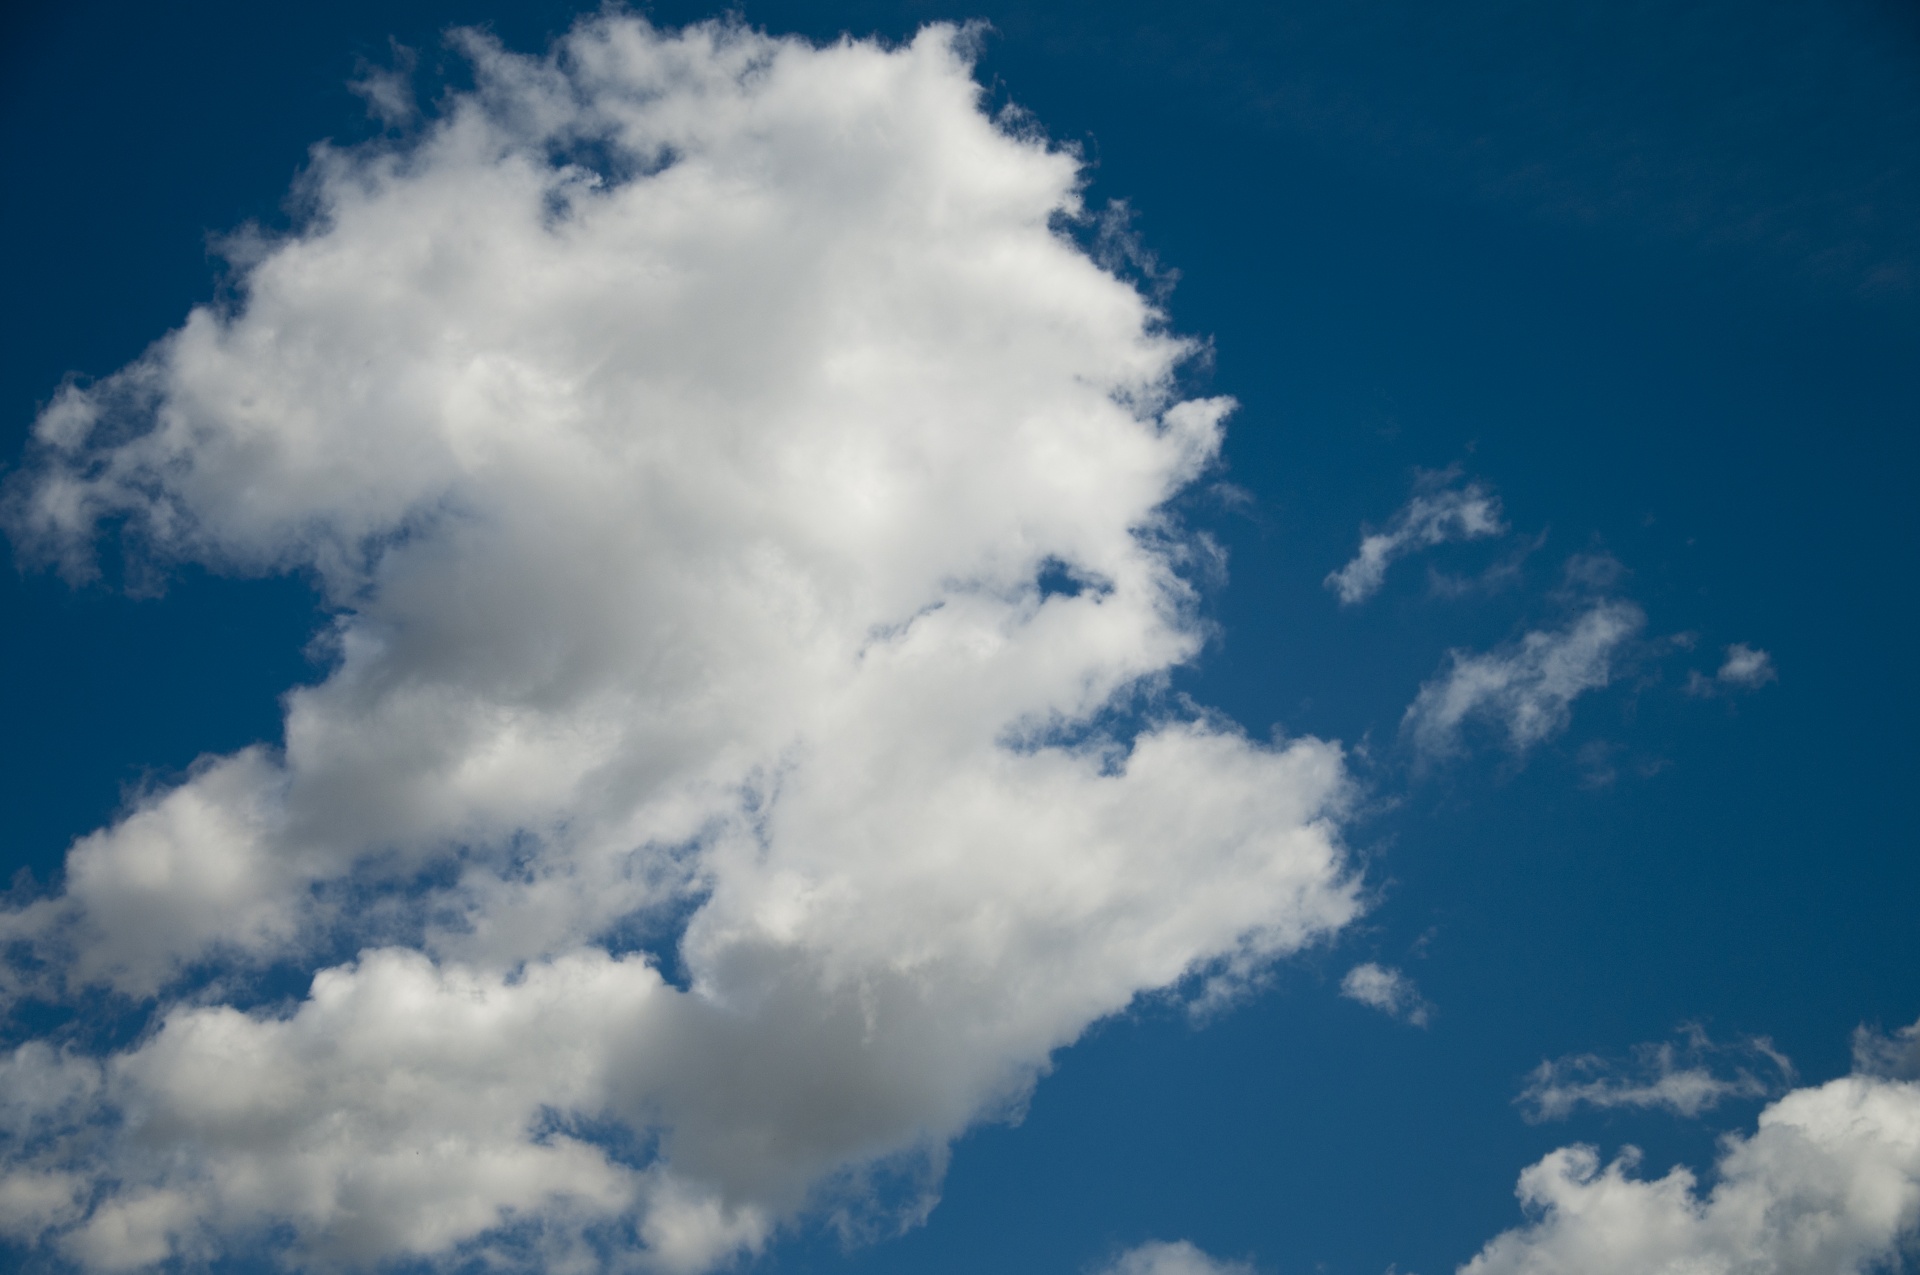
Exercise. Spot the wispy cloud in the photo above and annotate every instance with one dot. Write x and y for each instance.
(388, 90)
(1504, 574)
(1685, 1077)
(1439, 511)
(1527, 687)
(1895, 1056)
(1388, 990)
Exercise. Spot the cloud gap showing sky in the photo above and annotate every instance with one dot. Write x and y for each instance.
(686, 535)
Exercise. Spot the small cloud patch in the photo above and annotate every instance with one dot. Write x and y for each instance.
(1439, 512)
(1388, 990)
(1745, 668)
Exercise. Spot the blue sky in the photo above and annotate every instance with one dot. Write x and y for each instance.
(1639, 284)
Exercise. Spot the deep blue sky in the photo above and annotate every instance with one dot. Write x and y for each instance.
(1650, 272)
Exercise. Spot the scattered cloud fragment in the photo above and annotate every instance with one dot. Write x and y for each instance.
(1438, 512)
(1528, 687)
(1687, 1078)
(1745, 668)
(1388, 990)
(683, 427)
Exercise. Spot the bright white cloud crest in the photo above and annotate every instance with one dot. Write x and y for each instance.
(685, 516)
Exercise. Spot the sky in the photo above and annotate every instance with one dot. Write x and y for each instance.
(885, 638)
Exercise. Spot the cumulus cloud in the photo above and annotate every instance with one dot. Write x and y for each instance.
(1528, 687)
(1387, 990)
(1685, 1077)
(1177, 1258)
(1437, 513)
(680, 426)
(1828, 1184)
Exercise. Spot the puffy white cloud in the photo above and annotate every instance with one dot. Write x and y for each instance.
(1438, 512)
(1388, 990)
(1527, 687)
(681, 427)
(1180, 1257)
(1828, 1184)
(1686, 1078)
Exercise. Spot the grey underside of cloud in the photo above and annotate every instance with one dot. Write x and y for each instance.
(1686, 1077)
(1526, 689)
(684, 514)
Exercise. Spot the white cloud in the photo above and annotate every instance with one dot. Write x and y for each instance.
(1528, 687)
(1387, 990)
(1686, 1078)
(1746, 667)
(1178, 1258)
(683, 522)
(1829, 1184)
(1437, 513)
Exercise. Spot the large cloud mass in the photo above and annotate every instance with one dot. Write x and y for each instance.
(741, 508)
